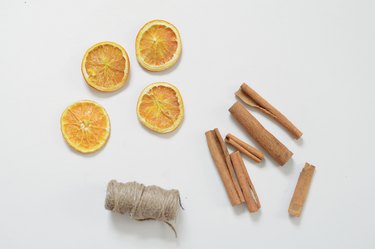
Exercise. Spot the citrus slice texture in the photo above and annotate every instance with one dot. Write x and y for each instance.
(160, 107)
(85, 126)
(105, 66)
(158, 45)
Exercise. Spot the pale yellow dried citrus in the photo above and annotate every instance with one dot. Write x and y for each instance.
(85, 126)
(105, 66)
(160, 107)
(158, 45)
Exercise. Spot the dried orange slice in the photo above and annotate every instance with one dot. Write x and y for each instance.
(160, 107)
(158, 45)
(105, 66)
(85, 126)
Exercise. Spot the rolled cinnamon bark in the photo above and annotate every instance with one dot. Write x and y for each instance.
(224, 165)
(253, 99)
(247, 186)
(301, 190)
(245, 148)
(271, 144)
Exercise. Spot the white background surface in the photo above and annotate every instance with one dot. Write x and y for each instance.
(314, 60)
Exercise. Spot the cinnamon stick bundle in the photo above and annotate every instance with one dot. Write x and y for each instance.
(253, 99)
(271, 144)
(245, 148)
(301, 190)
(247, 186)
(220, 155)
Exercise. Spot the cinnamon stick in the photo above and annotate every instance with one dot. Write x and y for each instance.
(224, 165)
(271, 144)
(253, 99)
(301, 190)
(245, 148)
(247, 186)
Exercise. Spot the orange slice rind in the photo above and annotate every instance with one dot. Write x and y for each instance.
(158, 45)
(160, 107)
(105, 66)
(85, 126)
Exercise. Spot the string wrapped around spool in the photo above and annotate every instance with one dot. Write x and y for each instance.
(142, 202)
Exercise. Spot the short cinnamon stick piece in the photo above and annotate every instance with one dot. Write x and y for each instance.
(253, 99)
(301, 190)
(224, 165)
(271, 144)
(245, 148)
(247, 186)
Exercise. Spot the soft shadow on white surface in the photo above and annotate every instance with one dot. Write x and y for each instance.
(146, 229)
(299, 141)
(239, 209)
(295, 220)
(288, 167)
(256, 216)
(316, 57)
(242, 210)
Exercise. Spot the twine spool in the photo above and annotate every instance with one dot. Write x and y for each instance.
(142, 202)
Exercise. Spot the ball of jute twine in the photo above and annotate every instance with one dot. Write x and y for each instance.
(142, 202)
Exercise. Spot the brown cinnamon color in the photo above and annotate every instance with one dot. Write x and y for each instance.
(224, 165)
(253, 99)
(301, 190)
(247, 186)
(245, 148)
(271, 144)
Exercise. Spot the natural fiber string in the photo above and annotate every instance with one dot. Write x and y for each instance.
(143, 202)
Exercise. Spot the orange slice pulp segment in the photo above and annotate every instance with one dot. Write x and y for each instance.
(158, 45)
(105, 66)
(160, 107)
(85, 126)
